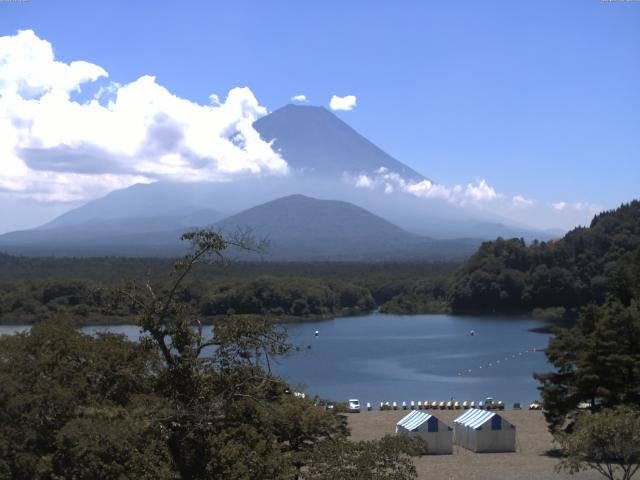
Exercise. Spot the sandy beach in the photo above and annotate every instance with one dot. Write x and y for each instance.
(529, 462)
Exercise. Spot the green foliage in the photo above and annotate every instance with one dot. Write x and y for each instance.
(48, 379)
(580, 268)
(597, 361)
(298, 297)
(227, 416)
(33, 289)
(385, 459)
(111, 443)
(77, 406)
(607, 441)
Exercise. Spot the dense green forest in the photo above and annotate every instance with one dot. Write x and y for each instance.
(583, 267)
(33, 289)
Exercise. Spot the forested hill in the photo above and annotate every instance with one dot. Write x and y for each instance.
(583, 267)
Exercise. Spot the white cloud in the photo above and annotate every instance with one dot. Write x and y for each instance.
(364, 181)
(480, 192)
(29, 68)
(57, 149)
(342, 103)
(578, 206)
(521, 202)
(428, 189)
(477, 193)
(299, 98)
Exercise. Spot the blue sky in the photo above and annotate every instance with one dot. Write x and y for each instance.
(539, 98)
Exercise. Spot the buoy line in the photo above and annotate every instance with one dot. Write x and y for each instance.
(496, 363)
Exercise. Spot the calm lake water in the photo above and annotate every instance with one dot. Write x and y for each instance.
(380, 357)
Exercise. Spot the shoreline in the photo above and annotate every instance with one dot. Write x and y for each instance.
(292, 319)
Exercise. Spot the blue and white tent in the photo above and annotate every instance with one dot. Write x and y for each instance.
(438, 435)
(484, 431)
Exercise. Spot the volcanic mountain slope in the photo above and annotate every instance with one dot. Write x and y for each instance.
(314, 140)
(323, 153)
(296, 227)
(303, 228)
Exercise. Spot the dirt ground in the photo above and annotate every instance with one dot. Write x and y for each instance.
(530, 461)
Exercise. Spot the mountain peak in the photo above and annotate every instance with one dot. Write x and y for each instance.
(314, 140)
(295, 106)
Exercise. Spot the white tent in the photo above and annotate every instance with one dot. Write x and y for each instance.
(484, 431)
(438, 435)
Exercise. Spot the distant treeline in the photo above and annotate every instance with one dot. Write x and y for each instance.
(33, 289)
(585, 266)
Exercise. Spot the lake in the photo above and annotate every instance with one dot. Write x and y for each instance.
(380, 357)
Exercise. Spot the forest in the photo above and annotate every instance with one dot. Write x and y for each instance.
(583, 267)
(85, 289)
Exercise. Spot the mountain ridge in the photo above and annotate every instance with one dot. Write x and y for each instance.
(298, 227)
(321, 150)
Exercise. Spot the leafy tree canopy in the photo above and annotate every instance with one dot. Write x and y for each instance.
(584, 266)
(608, 442)
(597, 362)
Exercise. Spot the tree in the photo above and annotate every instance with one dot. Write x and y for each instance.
(608, 442)
(112, 443)
(50, 379)
(226, 415)
(583, 266)
(386, 459)
(597, 361)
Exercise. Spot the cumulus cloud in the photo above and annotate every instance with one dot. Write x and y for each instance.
(390, 182)
(480, 192)
(363, 181)
(299, 98)
(521, 202)
(55, 148)
(342, 103)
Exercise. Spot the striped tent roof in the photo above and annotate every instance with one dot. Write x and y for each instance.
(474, 418)
(414, 420)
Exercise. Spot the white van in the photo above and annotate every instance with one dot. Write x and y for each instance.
(354, 405)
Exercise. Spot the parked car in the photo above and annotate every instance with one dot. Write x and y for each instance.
(330, 406)
(353, 405)
(535, 405)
